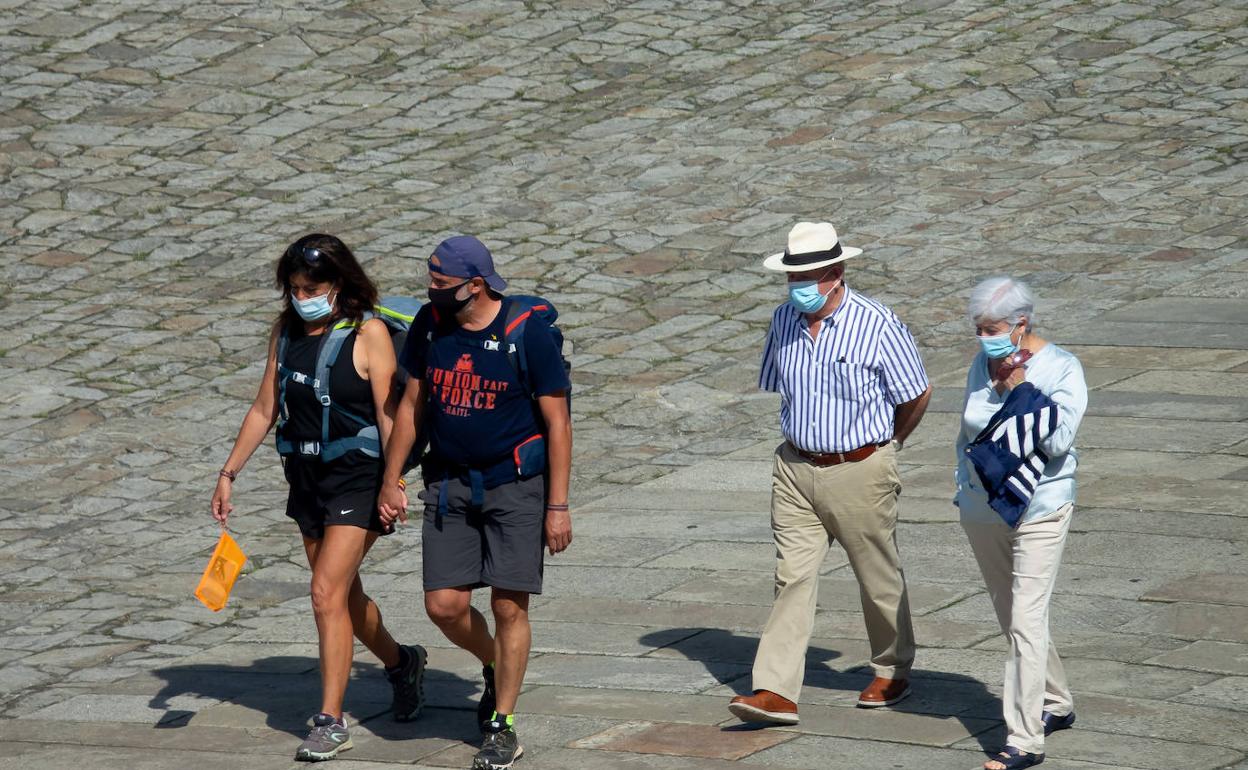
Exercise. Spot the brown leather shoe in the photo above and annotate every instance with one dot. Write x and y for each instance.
(883, 692)
(764, 706)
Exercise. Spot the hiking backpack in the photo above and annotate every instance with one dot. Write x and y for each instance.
(523, 308)
(397, 313)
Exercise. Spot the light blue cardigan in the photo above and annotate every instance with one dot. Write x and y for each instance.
(1057, 374)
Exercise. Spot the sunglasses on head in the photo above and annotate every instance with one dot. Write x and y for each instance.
(311, 254)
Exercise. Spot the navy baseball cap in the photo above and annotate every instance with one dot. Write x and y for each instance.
(463, 256)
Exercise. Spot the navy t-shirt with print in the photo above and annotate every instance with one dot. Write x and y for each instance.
(478, 412)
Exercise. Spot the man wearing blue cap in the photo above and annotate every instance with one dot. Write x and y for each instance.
(488, 387)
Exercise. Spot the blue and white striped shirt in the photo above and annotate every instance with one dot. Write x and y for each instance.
(838, 390)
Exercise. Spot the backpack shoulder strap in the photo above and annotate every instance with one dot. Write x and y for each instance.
(283, 374)
(518, 314)
(326, 354)
(283, 342)
(522, 309)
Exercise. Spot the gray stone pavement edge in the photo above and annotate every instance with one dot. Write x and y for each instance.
(632, 161)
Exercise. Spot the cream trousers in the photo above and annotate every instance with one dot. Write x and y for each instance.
(856, 505)
(1020, 568)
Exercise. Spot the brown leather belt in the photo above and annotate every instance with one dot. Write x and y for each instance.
(836, 458)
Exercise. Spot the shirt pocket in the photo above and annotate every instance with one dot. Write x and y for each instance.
(850, 381)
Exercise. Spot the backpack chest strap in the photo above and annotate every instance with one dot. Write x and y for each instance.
(303, 379)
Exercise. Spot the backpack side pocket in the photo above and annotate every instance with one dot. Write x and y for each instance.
(530, 456)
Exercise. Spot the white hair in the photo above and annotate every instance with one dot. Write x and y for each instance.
(1001, 298)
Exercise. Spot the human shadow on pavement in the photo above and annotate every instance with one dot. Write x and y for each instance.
(286, 689)
(728, 657)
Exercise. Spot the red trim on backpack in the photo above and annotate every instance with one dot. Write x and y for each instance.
(516, 452)
(519, 319)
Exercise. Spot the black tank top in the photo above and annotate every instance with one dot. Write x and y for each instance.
(353, 471)
(347, 388)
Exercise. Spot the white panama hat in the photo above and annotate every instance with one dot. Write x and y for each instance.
(811, 245)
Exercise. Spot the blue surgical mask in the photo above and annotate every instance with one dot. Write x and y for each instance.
(805, 296)
(314, 308)
(998, 345)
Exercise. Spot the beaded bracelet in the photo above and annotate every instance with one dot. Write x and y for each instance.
(228, 474)
(402, 484)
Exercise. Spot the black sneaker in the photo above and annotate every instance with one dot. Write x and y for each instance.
(408, 684)
(500, 748)
(485, 709)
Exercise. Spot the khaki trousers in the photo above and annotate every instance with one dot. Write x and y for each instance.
(856, 505)
(1020, 568)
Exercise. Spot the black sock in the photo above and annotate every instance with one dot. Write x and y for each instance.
(403, 660)
(506, 720)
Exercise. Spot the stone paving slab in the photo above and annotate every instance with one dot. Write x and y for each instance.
(1171, 359)
(1103, 748)
(835, 593)
(1194, 467)
(1200, 725)
(1201, 310)
(1194, 525)
(717, 646)
(676, 676)
(741, 526)
(1190, 621)
(632, 162)
(748, 501)
(41, 756)
(1164, 493)
(1177, 335)
(147, 742)
(1124, 646)
(602, 639)
(1225, 693)
(1213, 588)
(1204, 655)
(577, 759)
(627, 705)
(682, 740)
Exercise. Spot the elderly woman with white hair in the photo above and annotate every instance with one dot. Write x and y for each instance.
(1025, 398)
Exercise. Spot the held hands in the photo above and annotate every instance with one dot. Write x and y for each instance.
(558, 528)
(392, 504)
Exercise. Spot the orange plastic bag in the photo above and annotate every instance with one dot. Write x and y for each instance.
(219, 576)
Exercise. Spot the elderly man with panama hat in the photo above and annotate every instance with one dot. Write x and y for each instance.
(852, 387)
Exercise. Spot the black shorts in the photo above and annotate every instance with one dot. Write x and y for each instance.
(498, 545)
(323, 496)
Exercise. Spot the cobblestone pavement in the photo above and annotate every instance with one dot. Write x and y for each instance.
(633, 162)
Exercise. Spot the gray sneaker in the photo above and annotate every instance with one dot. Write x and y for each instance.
(328, 737)
(408, 684)
(500, 748)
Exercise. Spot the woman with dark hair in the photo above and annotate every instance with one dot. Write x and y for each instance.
(331, 450)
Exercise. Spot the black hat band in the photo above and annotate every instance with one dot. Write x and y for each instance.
(811, 257)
